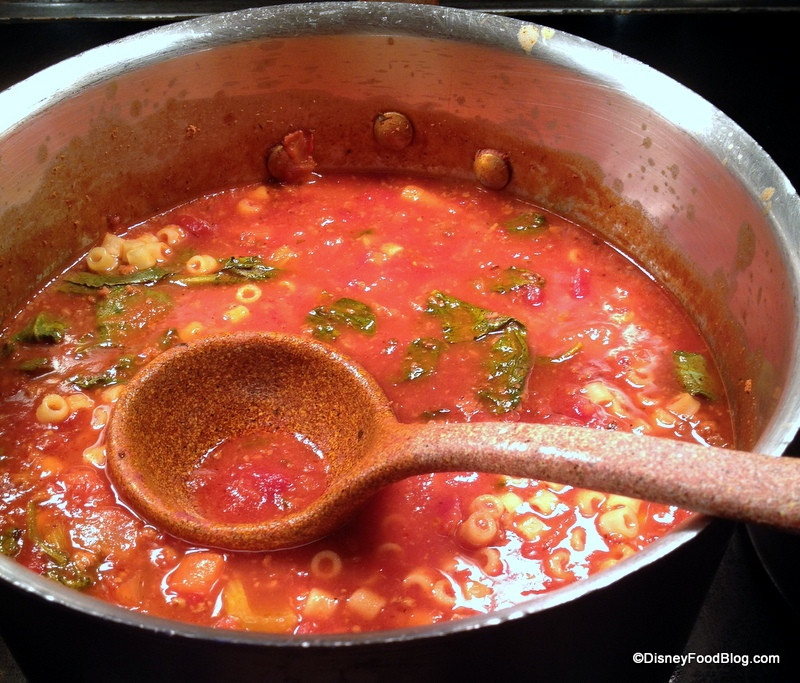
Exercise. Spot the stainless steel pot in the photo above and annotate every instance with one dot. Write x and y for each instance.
(142, 124)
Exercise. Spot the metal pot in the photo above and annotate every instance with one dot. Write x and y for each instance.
(137, 126)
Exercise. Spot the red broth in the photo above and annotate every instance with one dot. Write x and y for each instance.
(465, 304)
(258, 477)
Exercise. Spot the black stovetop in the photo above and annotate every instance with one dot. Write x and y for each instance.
(743, 62)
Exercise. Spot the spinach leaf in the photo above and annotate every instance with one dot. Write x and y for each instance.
(37, 366)
(693, 374)
(235, 270)
(11, 542)
(98, 339)
(122, 311)
(43, 329)
(508, 364)
(462, 321)
(122, 371)
(512, 279)
(328, 322)
(249, 268)
(127, 309)
(78, 283)
(421, 358)
(61, 568)
(507, 360)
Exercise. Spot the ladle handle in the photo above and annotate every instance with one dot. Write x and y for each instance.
(720, 482)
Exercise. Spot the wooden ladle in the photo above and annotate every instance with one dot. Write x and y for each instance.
(195, 396)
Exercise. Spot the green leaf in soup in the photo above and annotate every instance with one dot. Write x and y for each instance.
(693, 374)
(512, 279)
(37, 366)
(528, 223)
(119, 372)
(249, 268)
(43, 329)
(11, 541)
(234, 270)
(125, 310)
(97, 339)
(60, 568)
(421, 358)
(79, 282)
(462, 321)
(169, 338)
(507, 359)
(329, 321)
(508, 364)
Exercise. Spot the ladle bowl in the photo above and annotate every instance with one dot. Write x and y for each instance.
(196, 396)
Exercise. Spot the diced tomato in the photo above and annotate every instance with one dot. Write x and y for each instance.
(83, 487)
(580, 284)
(532, 294)
(193, 225)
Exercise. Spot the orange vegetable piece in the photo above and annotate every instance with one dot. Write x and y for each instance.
(197, 573)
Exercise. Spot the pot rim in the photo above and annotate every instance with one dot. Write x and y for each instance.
(670, 100)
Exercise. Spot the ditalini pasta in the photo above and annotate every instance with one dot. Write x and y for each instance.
(465, 304)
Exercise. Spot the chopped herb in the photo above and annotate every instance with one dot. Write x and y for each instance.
(114, 375)
(11, 542)
(511, 279)
(693, 374)
(571, 352)
(43, 329)
(328, 322)
(529, 223)
(37, 366)
(422, 355)
(234, 270)
(508, 360)
(79, 283)
(62, 569)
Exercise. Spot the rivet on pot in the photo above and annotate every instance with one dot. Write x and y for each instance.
(393, 130)
(491, 168)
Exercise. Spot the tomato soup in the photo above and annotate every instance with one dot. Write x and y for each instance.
(465, 304)
(258, 477)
